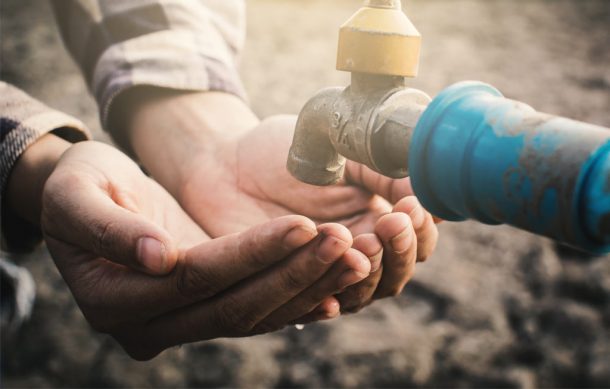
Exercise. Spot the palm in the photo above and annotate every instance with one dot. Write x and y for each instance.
(101, 171)
(160, 208)
(104, 183)
(251, 185)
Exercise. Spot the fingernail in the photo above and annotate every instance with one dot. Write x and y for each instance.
(352, 276)
(152, 254)
(331, 310)
(364, 267)
(298, 237)
(330, 248)
(333, 314)
(401, 242)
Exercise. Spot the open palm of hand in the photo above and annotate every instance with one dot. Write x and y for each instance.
(245, 182)
(144, 272)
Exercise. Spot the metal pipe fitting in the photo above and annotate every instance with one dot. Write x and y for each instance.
(393, 4)
(370, 122)
(313, 158)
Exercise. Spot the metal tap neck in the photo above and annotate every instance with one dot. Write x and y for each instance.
(363, 83)
(383, 4)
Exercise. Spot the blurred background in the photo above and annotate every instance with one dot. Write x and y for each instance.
(493, 307)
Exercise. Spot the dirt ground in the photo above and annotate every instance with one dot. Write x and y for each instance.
(493, 307)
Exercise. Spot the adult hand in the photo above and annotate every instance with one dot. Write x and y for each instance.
(389, 223)
(126, 250)
(236, 177)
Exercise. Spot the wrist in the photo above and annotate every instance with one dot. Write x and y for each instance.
(167, 129)
(29, 175)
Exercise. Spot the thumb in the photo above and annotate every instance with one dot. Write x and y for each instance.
(86, 217)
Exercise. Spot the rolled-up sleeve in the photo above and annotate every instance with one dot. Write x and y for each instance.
(22, 121)
(189, 45)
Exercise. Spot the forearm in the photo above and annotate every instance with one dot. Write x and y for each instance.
(143, 80)
(29, 174)
(165, 129)
(172, 46)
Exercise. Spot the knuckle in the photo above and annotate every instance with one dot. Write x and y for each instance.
(231, 318)
(292, 281)
(249, 249)
(192, 281)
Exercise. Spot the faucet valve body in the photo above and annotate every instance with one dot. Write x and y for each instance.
(370, 122)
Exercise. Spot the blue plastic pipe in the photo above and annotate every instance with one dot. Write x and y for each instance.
(477, 155)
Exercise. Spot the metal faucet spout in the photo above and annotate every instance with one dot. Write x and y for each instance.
(313, 158)
(370, 122)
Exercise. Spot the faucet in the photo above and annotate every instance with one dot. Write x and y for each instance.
(471, 153)
(371, 120)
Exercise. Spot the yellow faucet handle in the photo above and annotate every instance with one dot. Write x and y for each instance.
(379, 39)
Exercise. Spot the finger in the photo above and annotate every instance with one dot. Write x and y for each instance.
(389, 188)
(352, 268)
(200, 273)
(217, 265)
(138, 345)
(334, 202)
(364, 223)
(400, 250)
(327, 310)
(423, 224)
(358, 296)
(236, 312)
(89, 218)
(371, 247)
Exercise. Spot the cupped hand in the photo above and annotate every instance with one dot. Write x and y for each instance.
(243, 181)
(141, 270)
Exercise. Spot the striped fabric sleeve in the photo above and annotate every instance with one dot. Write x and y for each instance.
(184, 45)
(22, 121)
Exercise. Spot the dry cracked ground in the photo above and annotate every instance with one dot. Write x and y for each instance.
(493, 307)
